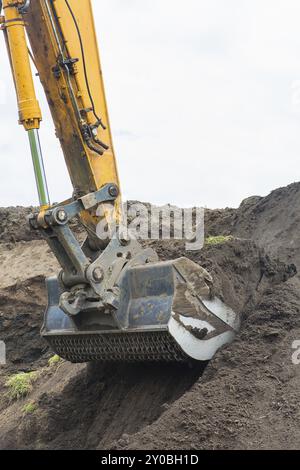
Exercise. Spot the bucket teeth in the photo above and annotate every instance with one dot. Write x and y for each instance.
(155, 346)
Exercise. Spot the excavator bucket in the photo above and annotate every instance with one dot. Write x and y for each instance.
(167, 312)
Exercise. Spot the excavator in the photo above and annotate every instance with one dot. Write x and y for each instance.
(113, 300)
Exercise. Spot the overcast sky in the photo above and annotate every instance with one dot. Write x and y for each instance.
(204, 100)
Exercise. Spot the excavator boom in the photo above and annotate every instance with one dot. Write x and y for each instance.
(113, 300)
(63, 42)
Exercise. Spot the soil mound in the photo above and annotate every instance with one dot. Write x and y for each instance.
(246, 398)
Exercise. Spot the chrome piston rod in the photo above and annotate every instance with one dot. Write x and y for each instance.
(39, 169)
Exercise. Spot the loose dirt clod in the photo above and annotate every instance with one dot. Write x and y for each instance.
(246, 398)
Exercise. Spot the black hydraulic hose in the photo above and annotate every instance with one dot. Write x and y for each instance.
(102, 144)
(88, 138)
(84, 65)
(92, 147)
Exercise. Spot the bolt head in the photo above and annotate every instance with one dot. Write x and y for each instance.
(61, 215)
(113, 191)
(98, 274)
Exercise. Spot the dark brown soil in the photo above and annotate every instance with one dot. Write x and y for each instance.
(14, 226)
(21, 307)
(247, 397)
(272, 222)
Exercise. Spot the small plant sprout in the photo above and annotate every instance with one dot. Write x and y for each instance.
(29, 408)
(54, 360)
(20, 385)
(218, 240)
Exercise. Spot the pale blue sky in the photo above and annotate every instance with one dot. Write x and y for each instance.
(203, 96)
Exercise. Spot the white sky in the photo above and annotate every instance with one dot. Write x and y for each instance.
(204, 99)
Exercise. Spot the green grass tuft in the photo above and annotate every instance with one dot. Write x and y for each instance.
(29, 408)
(20, 385)
(54, 360)
(218, 240)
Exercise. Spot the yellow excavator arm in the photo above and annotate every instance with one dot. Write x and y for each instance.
(63, 41)
(64, 50)
(113, 299)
